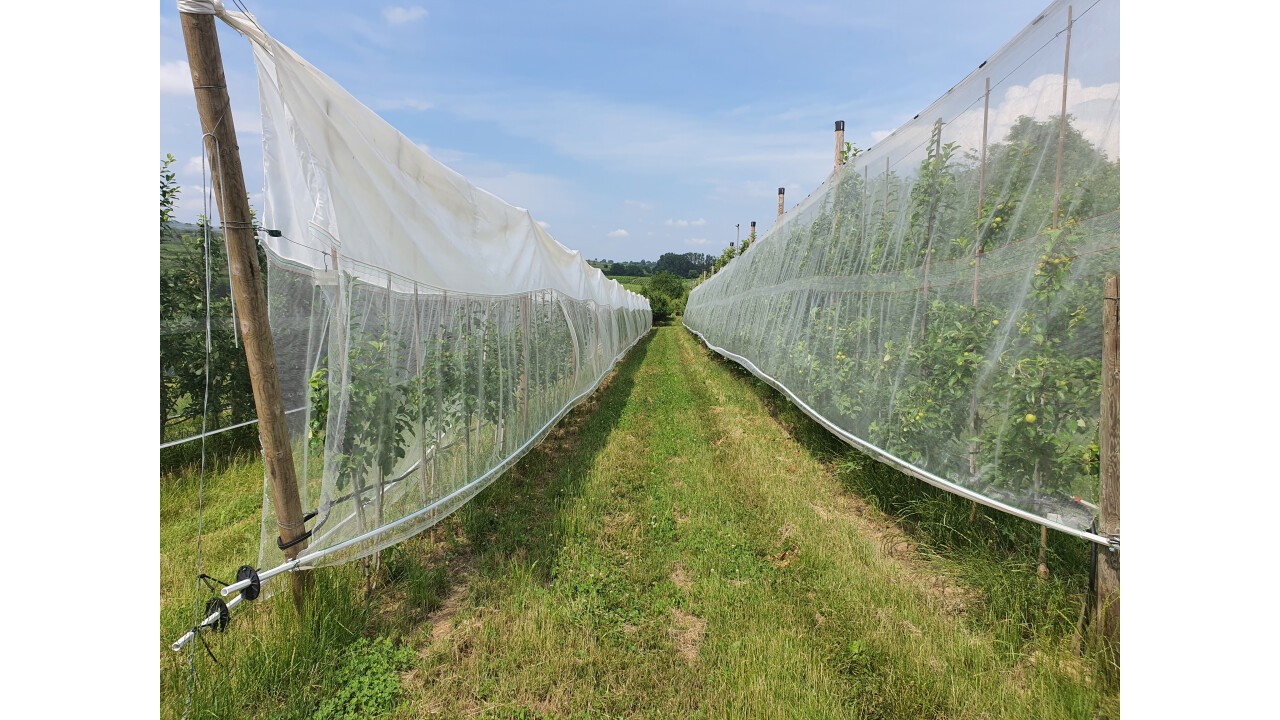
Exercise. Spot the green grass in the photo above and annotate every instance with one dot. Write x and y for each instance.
(684, 545)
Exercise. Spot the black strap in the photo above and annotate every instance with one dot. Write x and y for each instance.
(207, 578)
(280, 543)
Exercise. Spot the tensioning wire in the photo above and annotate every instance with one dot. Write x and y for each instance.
(207, 197)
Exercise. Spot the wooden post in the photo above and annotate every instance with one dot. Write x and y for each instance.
(525, 309)
(1107, 602)
(866, 180)
(419, 354)
(982, 187)
(839, 141)
(247, 287)
(752, 236)
(886, 189)
(781, 192)
(935, 153)
(1062, 121)
(977, 267)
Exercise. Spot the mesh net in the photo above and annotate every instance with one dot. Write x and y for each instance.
(182, 341)
(938, 300)
(430, 332)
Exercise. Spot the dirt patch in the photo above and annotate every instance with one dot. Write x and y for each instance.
(954, 597)
(787, 548)
(688, 630)
(681, 578)
(786, 557)
(441, 620)
(615, 524)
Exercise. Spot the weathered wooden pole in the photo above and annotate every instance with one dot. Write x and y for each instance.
(247, 287)
(781, 193)
(1107, 602)
(886, 188)
(752, 236)
(935, 162)
(977, 266)
(1062, 120)
(982, 187)
(839, 142)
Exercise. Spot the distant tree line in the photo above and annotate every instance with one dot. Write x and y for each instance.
(682, 265)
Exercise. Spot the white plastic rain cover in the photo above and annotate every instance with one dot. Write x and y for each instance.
(938, 300)
(432, 332)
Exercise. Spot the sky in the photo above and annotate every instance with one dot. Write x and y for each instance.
(627, 129)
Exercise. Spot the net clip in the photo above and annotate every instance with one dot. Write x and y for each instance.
(280, 543)
(1113, 550)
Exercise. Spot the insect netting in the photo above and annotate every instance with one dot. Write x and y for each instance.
(938, 300)
(428, 332)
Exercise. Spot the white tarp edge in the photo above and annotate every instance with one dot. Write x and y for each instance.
(338, 177)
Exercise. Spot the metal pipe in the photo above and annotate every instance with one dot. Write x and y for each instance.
(171, 443)
(213, 618)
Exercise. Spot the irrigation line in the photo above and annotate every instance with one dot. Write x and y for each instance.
(211, 619)
(897, 462)
(202, 435)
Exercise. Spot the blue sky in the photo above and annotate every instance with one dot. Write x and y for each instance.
(629, 129)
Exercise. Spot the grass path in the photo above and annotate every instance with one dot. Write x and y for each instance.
(692, 559)
(675, 548)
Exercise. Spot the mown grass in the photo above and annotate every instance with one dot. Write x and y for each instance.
(684, 545)
(699, 561)
(994, 553)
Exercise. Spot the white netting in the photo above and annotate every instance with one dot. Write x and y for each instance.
(938, 301)
(432, 332)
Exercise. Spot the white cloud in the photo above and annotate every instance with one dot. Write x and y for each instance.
(685, 223)
(619, 233)
(401, 15)
(175, 78)
(195, 167)
(1094, 111)
(644, 138)
(696, 241)
(639, 205)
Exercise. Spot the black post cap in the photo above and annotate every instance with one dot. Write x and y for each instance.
(839, 125)
(782, 191)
